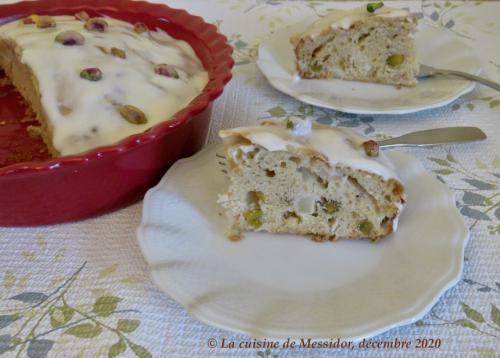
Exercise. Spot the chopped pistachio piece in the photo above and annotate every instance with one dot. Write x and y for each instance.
(366, 227)
(118, 52)
(166, 70)
(82, 16)
(292, 214)
(252, 153)
(103, 50)
(140, 27)
(371, 7)
(133, 114)
(70, 38)
(330, 206)
(316, 68)
(260, 196)
(30, 20)
(252, 217)
(91, 74)
(395, 60)
(270, 173)
(96, 24)
(322, 182)
(289, 124)
(255, 198)
(44, 22)
(371, 148)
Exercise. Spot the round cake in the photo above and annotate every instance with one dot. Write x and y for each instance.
(94, 81)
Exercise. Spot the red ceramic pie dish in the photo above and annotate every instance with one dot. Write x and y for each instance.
(76, 187)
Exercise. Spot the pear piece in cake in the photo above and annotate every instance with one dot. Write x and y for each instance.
(372, 43)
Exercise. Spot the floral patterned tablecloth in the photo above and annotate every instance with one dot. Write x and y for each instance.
(83, 289)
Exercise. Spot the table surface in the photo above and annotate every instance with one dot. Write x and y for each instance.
(83, 289)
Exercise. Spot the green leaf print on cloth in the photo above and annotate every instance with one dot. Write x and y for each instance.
(55, 310)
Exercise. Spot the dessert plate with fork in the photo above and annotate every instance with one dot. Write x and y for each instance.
(435, 46)
(288, 286)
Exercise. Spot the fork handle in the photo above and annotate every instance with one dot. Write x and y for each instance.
(469, 76)
(435, 136)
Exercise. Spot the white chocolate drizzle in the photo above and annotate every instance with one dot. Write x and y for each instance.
(337, 146)
(344, 19)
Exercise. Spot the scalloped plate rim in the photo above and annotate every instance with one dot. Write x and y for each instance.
(215, 319)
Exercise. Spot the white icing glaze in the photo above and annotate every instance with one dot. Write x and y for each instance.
(301, 127)
(344, 19)
(94, 119)
(340, 146)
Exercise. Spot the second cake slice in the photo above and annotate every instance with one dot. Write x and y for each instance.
(360, 45)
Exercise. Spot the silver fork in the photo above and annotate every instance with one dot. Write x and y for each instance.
(428, 71)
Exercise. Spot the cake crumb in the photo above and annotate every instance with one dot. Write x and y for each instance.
(235, 237)
(34, 132)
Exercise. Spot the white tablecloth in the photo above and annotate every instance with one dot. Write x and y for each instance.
(83, 289)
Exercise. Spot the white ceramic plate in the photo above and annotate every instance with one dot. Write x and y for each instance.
(280, 286)
(435, 46)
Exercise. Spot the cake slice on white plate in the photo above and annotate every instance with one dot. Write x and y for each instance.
(302, 178)
(371, 43)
